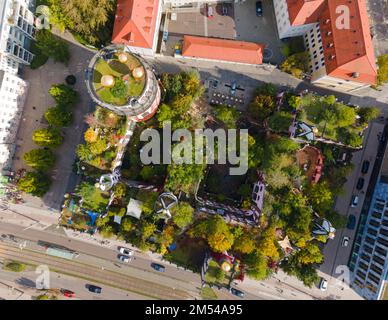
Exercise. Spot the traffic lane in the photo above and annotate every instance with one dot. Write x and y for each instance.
(94, 273)
(141, 261)
(25, 281)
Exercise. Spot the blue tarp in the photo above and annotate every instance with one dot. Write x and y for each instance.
(172, 247)
(93, 216)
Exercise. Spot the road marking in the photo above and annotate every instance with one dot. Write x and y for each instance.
(205, 25)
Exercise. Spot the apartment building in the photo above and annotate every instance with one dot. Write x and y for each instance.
(341, 52)
(369, 264)
(16, 34)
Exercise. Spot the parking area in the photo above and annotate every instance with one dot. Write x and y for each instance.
(219, 25)
(228, 21)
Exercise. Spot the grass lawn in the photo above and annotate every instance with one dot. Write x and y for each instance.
(208, 294)
(118, 70)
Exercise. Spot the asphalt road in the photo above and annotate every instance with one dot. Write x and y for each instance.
(24, 283)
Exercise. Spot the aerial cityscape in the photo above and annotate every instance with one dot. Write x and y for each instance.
(193, 150)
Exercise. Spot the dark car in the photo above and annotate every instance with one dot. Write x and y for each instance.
(158, 267)
(224, 9)
(365, 166)
(351, 222)
(360, 183)
(94, 289)
(259, 8)
(237, 293)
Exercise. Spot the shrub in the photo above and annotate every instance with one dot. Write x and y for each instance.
(15, 266)
(119, 90)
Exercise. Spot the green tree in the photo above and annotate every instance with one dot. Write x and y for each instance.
(34, 183)
(219, 235)
(321, 197)
(98, 147)
(182, 214)
(63, 95)
(40, 159)
(14, 266)
(382, 75)
(58, 117)
(147, 229)
(126, 225)
(256, 265)
(346, 116)
(368, 114)
(280, 121)
(89, 19)
(267, 89)
(165, 113)
(183, 177)
(120, 190)
(52, 46)
(83, 152)
(296, 64)
(48, 137)
(245, 243)
(267, 246)
(261, 107)
(227, 115)
(295, 102)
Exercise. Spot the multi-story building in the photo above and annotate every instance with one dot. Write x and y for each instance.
(369, 263)
(16, 33)
(13, 91)
(337, 36)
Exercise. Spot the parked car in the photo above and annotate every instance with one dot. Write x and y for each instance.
(209, 12)
(259, 8)
(123, 258)
(323, 284)
(237, 293)
(126, 251)
(94, 289)
(68, 293)
(345, 241)
(224, 9)
(351, 222)
(365, 166)
(360, 183)
(158, 267)
(354, 201)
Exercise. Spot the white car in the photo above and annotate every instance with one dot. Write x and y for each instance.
(124, 258)
(323, 285)
(345, 241)
(126, 251)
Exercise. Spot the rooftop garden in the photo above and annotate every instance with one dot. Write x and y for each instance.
(119, 78)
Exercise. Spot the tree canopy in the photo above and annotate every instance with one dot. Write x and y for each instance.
(47, 137)
(52, 46)
(39, 159)
(182, 214)
(34, 183)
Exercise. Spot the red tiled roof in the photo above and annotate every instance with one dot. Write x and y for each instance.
(135, 22)
(349, 53)
(220, 49)
(304, 11)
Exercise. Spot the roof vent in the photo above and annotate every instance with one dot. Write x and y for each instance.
(355, 75)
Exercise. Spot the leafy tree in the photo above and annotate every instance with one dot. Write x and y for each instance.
(87, 18)
(245, 190)
(183, 177)
(83, 152)
(280, 121)
(182, 214)
(126, 224)
(106, 231)
(267, 89)
(147, 229)
(219, 235)
(227, 115)
(167, 236)
(306, 273)
(148, 199)
(192, 86)
(40, 159)
(321, 197)
(337, 220)
(382, 75)
(48, 137)
(92, 198)
(90, 135)
(296, 64)
(120, 190)
(346, 116)
(181, 103)
(119, 90)
(14, 266)
(368, 114)
(34, 183)
(261, 107)
(267, 246)
(52, 46)
(310, 254)
(98, 147)
(58, 117)
(147, 173)
(295, 102)
(245, 243)
(256, 265)
(165, 113)
(63, 95)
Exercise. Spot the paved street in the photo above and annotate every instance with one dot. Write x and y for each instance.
(21, 286)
